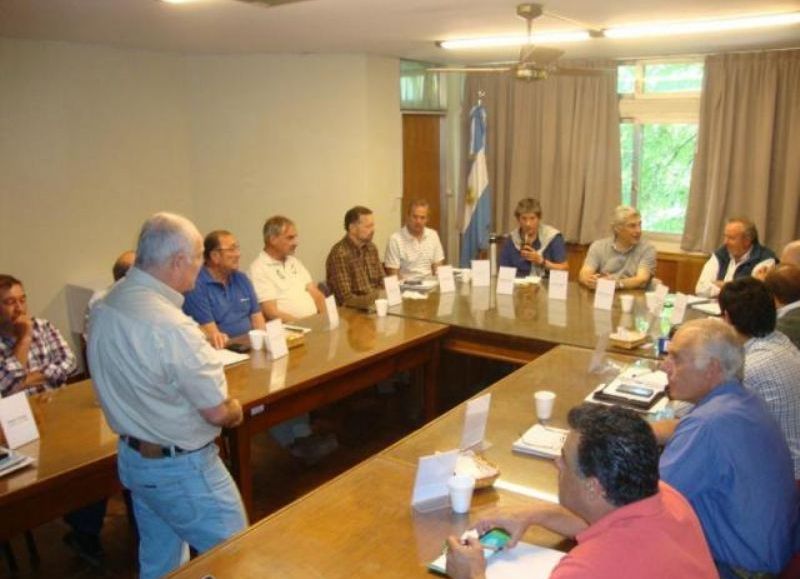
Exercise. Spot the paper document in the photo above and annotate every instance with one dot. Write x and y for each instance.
(525, 561)
(540, 440)
(12, 461)
(227, 357)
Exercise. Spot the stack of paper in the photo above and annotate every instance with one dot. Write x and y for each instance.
(12, 461)
(539, 440)
(523, 561)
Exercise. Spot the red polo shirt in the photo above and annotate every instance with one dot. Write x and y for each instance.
(658, 537)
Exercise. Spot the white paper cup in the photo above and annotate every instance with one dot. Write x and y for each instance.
(256, 339)
(381, 307)
(545, 400)
(626, 302)
(461, 487)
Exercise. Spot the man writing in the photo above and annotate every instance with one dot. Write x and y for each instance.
(626, 523)
(353, 269)
(415, 250)
(163, 390)
(623, 257)
(223, 301)
(728, 456)
(283, 285)
(741, 255)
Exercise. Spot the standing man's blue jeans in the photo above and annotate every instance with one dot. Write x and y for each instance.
(187, 499)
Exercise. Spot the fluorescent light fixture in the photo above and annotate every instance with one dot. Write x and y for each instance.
(699, 26)
(519, 40)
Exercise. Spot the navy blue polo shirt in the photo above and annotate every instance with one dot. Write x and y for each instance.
(229, 306)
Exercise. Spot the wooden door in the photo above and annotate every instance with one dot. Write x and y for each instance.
(422, 177)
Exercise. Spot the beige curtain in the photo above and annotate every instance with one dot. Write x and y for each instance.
(748, 151)
(555, 140)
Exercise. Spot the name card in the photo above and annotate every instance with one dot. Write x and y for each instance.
(604, 294)
(430, 485)
(505, 280)
(332, 311)
(447, 281)
(475, 419)
(481, 273)
(16, 419)
(393, 294)
(557, 287)
(276, 339)
(679, 309)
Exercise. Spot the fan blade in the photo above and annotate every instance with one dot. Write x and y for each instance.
(470, 69)
(539, 55)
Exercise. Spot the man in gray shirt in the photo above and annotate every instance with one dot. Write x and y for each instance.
(163, 390)
(623, 257)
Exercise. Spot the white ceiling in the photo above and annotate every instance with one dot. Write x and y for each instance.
(401, 28)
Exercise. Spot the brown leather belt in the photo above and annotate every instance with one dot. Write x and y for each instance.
(152, 450)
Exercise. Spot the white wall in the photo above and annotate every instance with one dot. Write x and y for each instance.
(94, 139)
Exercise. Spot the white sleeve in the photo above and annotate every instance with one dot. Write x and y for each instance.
(263, 286)
(705, 283)
(392, 256)
(438, 254)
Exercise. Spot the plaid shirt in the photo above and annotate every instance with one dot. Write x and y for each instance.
(772, 370)
(49, 354)
(354, 274)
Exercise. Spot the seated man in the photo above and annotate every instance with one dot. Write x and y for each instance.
(34, 355)
(739, 256)
(118, 271)
(627, 524)
(415, 250)
(728, 456)
(623, 256)
(353, 269)
(534, 248)
(771, 361)
(223, 301)
(283, 285)
(784, 284)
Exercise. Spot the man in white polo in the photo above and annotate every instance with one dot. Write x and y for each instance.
(415, 250)
(284, 287)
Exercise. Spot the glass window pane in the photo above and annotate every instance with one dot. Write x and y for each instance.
(676, 77)
(626, 152)
(666, 169)
(626, 79)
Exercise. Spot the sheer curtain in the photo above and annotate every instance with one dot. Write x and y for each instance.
(748, 151)
(555, 140)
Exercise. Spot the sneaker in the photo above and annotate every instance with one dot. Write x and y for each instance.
(312, 449)
(86, 546)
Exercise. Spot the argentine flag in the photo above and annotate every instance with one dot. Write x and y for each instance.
(477, 201)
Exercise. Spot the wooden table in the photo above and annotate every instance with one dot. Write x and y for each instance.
(75, 461)
(361, 523)
(519, 327)
(331, 365)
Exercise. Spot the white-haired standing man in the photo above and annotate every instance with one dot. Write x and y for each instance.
(163, 390)
(623, 257)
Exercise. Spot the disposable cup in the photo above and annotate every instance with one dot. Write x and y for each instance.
(256, 339)
(626, 302)
(461, 487)
(545, 400)
(381, 307)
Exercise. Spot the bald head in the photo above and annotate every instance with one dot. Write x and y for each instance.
(791, 253)
(784, 284)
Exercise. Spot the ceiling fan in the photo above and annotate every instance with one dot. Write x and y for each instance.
(535, 62)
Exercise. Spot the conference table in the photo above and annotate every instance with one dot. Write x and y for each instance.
(76, 461)
(517, 328)
(76, 454)
(362, 524)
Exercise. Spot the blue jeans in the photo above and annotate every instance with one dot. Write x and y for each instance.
(187, 499)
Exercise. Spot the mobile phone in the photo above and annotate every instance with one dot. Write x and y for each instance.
(236, 347)
(635, 390)
(495, 539)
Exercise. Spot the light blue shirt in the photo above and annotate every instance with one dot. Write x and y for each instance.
(729, 458)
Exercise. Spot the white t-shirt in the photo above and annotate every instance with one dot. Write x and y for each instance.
(412, 256)
(285, 282)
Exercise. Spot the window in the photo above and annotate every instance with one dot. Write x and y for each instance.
(659, 105)
(420, 89)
